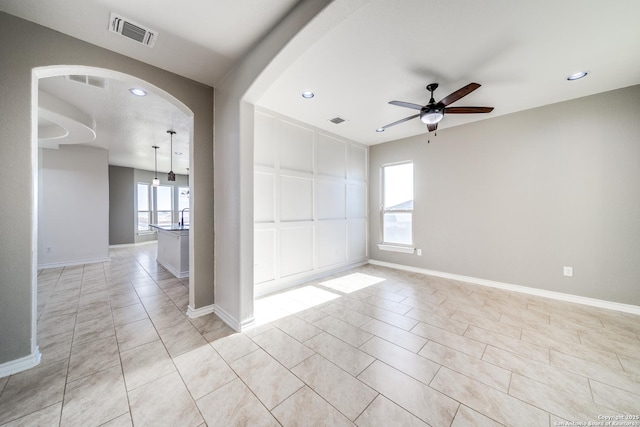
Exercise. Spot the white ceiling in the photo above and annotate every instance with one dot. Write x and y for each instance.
(372, 52)
(126, 125)
(519, 51)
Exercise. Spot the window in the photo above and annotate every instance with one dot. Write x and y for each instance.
(155, 206)
(164, 205)
(397, 203)
(144, 211)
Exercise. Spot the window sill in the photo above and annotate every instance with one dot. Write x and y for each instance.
(395, 248)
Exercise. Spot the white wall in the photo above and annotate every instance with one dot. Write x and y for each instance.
(310, 202)
(73, 211)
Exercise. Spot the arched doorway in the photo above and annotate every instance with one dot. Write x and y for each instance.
(174, 115)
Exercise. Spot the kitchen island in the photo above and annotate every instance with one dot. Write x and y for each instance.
(173, 248)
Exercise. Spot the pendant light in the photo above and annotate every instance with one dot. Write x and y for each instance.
(156, 181)
(171, 176)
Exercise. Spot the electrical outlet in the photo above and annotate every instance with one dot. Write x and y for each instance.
(568, 271)
(419, 252)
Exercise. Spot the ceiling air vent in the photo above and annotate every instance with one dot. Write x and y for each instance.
(89, 80)
(132, 30)
(337, 120)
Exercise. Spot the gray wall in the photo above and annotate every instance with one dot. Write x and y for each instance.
(24, 46)
(122, 202)
(121, 210)
(515, 198)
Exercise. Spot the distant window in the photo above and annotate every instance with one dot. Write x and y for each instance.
(144, 211)
(397, 203)
(164, 205)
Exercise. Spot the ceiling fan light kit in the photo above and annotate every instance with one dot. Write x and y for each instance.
(432, 113)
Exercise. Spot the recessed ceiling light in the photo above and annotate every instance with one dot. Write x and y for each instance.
(307, 94)
(138, 92)
(577, 76)
(380, 130)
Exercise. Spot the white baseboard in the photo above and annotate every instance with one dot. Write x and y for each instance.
(198, 312)
(231, 321)
(73, 263)
(247, 324)
(266, 288)
(610, 305)
(14, 366)
(133, 245)
(172, 270)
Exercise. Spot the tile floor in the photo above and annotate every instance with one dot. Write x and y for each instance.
(371, 347)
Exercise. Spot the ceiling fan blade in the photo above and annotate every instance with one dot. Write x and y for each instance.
(453, 97)
(406, 104)
(432, 127)
(467, 110)
(400, 121)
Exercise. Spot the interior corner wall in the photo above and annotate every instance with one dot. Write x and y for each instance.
(42, 47)
(516, 198)
(310, 202)
(73, 215)
(121, 206)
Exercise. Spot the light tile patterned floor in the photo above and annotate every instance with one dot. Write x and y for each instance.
(370, 347)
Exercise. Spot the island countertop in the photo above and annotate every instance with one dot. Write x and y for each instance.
(172, 227)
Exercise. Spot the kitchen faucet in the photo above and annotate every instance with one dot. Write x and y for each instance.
(181, 223)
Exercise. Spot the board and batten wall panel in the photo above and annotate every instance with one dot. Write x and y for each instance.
(310, 203)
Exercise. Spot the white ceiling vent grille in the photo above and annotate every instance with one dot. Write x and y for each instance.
(337, 120)
(132, 30)
(89, 80)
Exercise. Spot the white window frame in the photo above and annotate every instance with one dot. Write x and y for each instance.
(393, 246)
(156, 211)
(148, 230)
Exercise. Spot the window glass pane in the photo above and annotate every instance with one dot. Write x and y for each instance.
(164, 218)
(398, 187)
(397, 228)
(143, 221)
(143, 197)
(183, 198)
(163, 198)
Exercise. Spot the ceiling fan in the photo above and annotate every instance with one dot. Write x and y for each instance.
(433, 112)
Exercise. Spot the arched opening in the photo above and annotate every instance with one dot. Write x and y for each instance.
(180, 116)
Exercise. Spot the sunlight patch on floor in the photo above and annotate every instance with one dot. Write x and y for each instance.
(352, 282)
(285, 303)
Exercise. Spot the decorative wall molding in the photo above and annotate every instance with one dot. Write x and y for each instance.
(610, 305)
(18, 365)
